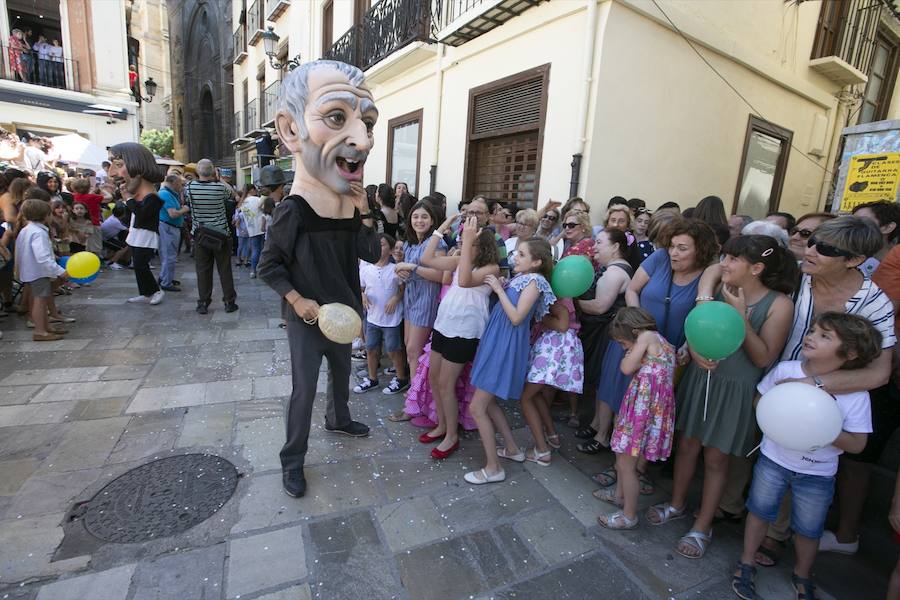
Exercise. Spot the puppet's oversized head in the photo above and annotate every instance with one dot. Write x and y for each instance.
(325, 117)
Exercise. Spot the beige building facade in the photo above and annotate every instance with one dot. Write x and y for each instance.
(666, 100)
(148, 41)
(82, 87)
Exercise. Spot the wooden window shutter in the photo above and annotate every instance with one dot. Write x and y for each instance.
(509, 109)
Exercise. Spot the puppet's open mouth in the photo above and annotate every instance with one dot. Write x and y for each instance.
(350, 169)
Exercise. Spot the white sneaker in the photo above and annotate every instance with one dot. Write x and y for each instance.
(252, 274)
(829, 543)
(116, 267)
(138, 299)
(157, 297)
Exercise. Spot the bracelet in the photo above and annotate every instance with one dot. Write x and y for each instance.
(703, 298)
(437, 234)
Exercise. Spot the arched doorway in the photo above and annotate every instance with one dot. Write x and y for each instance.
(207, 126)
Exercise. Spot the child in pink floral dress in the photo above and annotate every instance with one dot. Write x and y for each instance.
(645, 423)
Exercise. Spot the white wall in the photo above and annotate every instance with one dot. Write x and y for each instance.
(111, 58)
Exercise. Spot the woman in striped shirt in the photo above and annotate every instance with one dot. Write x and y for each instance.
(423, 284)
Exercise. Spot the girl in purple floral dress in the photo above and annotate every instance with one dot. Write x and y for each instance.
(645, 423)
(557, 361)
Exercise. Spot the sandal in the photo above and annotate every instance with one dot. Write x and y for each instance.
(803, 588)
(617, 521)
(573, 422)
(541, 458)
(481, 477)
(608, 495)
(502, 453)
(592, 447)
(606, 477)
(743, 584)
(664, 512)
(773, 554)
(646, 488)
(553, 441)
(586, 433)
(399, 416)
(697, 540)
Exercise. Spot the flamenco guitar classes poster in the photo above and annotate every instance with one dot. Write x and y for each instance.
(871, 177)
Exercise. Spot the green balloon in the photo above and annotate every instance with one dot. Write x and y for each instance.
(715, 330)
(572, 276)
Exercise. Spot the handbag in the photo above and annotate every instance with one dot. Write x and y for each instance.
(210, 239)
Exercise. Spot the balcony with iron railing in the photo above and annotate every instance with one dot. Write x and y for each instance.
(275, 8)
(251, 120)
(255, 22)
(269, 104)
(845, 39)
(240, 45)
(458, 21)
(27, 66)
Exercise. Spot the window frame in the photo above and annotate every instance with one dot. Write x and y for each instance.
(327, 25)
(758, 124)
(540, 72)
(405, 119)
(888, 83)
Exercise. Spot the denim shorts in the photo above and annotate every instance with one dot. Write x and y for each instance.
(811, 496)
(391, 336)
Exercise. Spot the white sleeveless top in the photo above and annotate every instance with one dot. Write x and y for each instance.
(463, 312)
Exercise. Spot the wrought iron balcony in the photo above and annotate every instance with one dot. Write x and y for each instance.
(385, 28)
(255, 22)
(28, 67)
(239, 38)
(845, 39)
(275, 8)
(251, 121)
(270, 97)
(458, 21)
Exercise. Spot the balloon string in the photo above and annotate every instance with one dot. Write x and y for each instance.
(311, 321)
(754, 450)
(706, 400)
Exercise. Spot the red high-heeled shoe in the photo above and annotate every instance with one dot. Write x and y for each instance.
(427, 439)
(442, 454)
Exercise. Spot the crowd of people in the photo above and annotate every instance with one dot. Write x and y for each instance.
(36, 59)
(463, 307)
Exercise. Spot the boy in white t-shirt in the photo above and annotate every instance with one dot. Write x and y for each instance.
(834, 341)
(382, 297)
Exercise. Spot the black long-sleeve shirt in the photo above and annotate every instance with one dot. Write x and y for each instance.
(316, 256)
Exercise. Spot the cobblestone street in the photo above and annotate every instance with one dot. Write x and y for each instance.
(381, 519)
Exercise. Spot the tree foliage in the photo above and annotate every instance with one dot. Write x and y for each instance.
(159, 141)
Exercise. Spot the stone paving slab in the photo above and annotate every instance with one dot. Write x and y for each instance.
(265, 560)
(57, 392)
(188, 575)
(106, 585)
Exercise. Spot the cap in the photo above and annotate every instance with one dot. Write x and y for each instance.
(270, 176)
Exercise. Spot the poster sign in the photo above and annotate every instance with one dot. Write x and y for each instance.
(871, 177)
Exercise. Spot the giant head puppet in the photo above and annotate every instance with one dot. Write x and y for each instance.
(325, 117)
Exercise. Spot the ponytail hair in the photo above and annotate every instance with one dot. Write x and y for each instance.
(540, 249)
(780, 271)
(628, 249)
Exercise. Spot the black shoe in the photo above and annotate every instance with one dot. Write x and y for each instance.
(176, 282)
(294, 483)
(170, 288)
(353, 429)
(202, 308)
(230, 307)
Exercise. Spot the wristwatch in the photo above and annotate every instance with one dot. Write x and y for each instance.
(818, 381)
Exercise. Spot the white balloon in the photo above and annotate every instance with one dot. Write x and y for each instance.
(799, 416)
(339, 323)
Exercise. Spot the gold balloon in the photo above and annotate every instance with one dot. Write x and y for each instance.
(339, 323)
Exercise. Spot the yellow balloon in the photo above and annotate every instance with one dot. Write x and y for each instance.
(339, 323)
(82, 265)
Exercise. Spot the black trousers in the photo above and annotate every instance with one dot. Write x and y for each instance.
(205, 260)
(146, 282)
(308, 346)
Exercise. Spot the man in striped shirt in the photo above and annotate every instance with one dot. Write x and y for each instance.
(207, 197)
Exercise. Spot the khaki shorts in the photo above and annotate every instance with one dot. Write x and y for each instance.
(41, 288)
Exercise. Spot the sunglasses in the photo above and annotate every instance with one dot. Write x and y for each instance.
(826, 249)
(804, 233)
(475, 213)
(570, 225)
(550, 217)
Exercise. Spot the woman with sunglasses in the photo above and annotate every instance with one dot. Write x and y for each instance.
(547, 221)
(576, 236)
(799, 233)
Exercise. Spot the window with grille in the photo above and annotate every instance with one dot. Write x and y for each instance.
(882, 75)
(506, 122)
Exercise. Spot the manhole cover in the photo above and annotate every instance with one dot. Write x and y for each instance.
(161, 498)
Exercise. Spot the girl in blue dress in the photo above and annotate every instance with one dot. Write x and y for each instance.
(501, 363)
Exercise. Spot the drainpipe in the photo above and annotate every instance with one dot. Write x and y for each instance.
(589, 41)
(439, 91)
(833, 160)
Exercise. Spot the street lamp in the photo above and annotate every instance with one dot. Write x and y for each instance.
(270, 43)
(150, 85)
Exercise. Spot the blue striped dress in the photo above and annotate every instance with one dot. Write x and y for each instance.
(420, 297)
